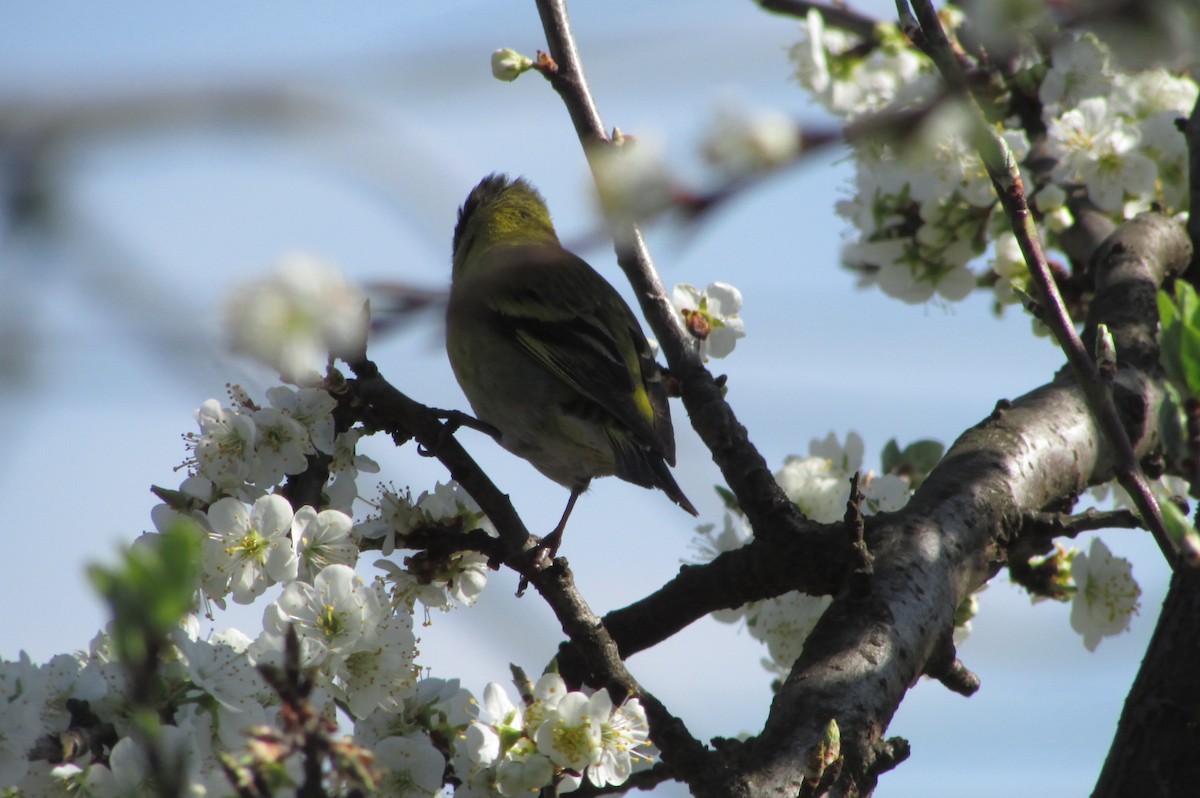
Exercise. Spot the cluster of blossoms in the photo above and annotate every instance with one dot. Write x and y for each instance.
(216, 694)
(217, 700)
(924, 209)
(456, 579)
(355, 637)
(244, 449)
(554, 736)
(253, 539)
(820, 486)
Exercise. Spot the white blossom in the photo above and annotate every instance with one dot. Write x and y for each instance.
(817, 488)
(312, 407)
(224, 449)
(293, 320)
(248, 549)
(711, 316)
(1106, 595)
(322, 539)
(334, 617)
(624, 742)
(524, 771)
(413, 766)
(571, 733)
(784, 623)
(632, 179)
(1099, 149)
(1079, 70)
(280, 448)
(398, 516)
(742, 142)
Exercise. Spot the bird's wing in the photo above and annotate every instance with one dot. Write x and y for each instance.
(575, 325)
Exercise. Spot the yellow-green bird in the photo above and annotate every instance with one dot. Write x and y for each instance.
(549, 354)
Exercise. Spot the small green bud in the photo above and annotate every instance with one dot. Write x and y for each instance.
(507, 65)
(824, 754)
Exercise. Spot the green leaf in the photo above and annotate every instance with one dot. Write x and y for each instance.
(1172, 424)
(730, 501)
(151, 590)
(924, 454)
(914, 462)
(1181, 531)
(1179, 340)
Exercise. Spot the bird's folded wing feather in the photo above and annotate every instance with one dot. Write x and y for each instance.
(570, 321)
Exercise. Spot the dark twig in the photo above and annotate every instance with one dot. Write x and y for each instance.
(1062, 525)
(945, 666)
(864, 563)
(816, 562)
(385, 408)
(838, 16)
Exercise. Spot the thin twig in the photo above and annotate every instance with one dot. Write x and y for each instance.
(838, 16)
(1062, 525)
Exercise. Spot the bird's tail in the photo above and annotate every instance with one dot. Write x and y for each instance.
(641, 466)
(665, 480)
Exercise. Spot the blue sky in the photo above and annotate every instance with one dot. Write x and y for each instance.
(109, 339)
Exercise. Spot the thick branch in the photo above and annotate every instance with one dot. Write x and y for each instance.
(1154, 752)
(873, 643)
(816, 562)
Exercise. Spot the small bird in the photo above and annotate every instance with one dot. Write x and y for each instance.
(549, 355)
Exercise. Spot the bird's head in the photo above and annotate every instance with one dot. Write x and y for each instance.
(501, 211)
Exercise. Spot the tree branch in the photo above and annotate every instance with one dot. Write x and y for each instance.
(1153, 751)
(817, 562)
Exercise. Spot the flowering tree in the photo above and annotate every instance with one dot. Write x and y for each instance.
(1041, 153)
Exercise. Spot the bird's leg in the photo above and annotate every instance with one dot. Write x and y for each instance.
(548, 546)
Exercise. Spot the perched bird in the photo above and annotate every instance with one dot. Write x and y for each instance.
(549, 354)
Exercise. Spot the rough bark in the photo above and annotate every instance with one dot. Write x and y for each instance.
(1154, 753)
